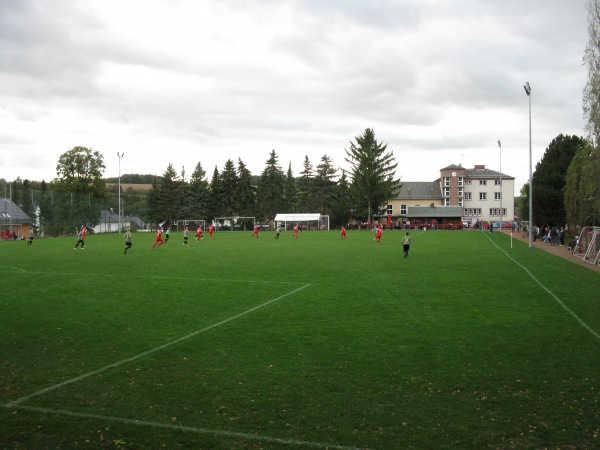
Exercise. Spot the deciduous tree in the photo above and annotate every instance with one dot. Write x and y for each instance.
(582, 188)
(80, 187)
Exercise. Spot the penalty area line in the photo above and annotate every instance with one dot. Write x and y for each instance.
(153, 350)
(184, 428)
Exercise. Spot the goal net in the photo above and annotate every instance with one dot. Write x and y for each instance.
(192, 224)
(234, 223)
(587, 246)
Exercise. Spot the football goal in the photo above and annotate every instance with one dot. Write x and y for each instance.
(192, 224)
(234, 223)
(588, 245)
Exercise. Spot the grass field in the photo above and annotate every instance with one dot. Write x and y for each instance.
(238, 343)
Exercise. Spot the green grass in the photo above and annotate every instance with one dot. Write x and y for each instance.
(238, 343)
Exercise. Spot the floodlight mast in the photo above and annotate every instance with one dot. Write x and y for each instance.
(527, 88)
(120, 155)
(501, 215)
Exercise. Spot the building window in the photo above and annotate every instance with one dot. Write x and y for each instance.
(467, 196)
(389, 209)
(446, 192)
(446, 201)
(496, 182)
(460, 181)
(482, 182)
(496, 195)
(483, 196)
(460, 201)
(446, 181)
(403, 209)
(467, 182)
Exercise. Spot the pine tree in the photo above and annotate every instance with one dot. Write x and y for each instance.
(290, 190)
(372, 174)
(270, 189)
(229, 185)
(305, 198)
(246, 193)
(324, 185)
(215, 197)
(169, 205)
(199, 193)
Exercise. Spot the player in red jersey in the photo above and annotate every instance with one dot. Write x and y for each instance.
(343, 233)
(295, 231)
(159, 239)
(378, 233)
(198, 234)
(211, 229)
(255, 231)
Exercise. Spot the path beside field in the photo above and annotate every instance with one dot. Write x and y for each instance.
(557, 250)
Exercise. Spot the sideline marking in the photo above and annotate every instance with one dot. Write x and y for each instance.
(197, 430)
(149, 352)
(558, 300)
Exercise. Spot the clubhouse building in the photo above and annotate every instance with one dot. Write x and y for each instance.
(459, 197)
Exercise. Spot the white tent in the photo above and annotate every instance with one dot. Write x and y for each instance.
(310, 220)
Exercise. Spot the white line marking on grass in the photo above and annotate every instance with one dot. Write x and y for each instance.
(153, 350)
(197, 430)
(15, 268)
(558, 300)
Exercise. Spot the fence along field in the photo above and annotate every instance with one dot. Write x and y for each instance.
(311, 343)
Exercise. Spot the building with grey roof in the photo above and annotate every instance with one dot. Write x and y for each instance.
(460, 195)
(13, 218)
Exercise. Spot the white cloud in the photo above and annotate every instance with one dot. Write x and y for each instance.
(196, 81)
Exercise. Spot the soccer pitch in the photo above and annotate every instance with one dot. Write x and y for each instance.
(316, 342)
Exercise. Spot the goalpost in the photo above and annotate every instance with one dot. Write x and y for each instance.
(192, 224)
(234, 223)
(588, 245)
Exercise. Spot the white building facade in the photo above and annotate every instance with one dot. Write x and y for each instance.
(484, 194)
(479, 194)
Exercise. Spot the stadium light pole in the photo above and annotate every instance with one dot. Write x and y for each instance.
(528, 92)
(500, 145)
(120, 155)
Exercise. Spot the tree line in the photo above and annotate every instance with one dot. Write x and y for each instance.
(323, 188)
(79, 192)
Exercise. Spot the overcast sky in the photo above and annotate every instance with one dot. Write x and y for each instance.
(188, 81)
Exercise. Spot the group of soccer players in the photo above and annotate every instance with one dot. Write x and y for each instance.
(81, 234)
(186, 234)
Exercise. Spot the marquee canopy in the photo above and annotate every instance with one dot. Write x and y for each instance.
(304, 217)
(311, 221)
